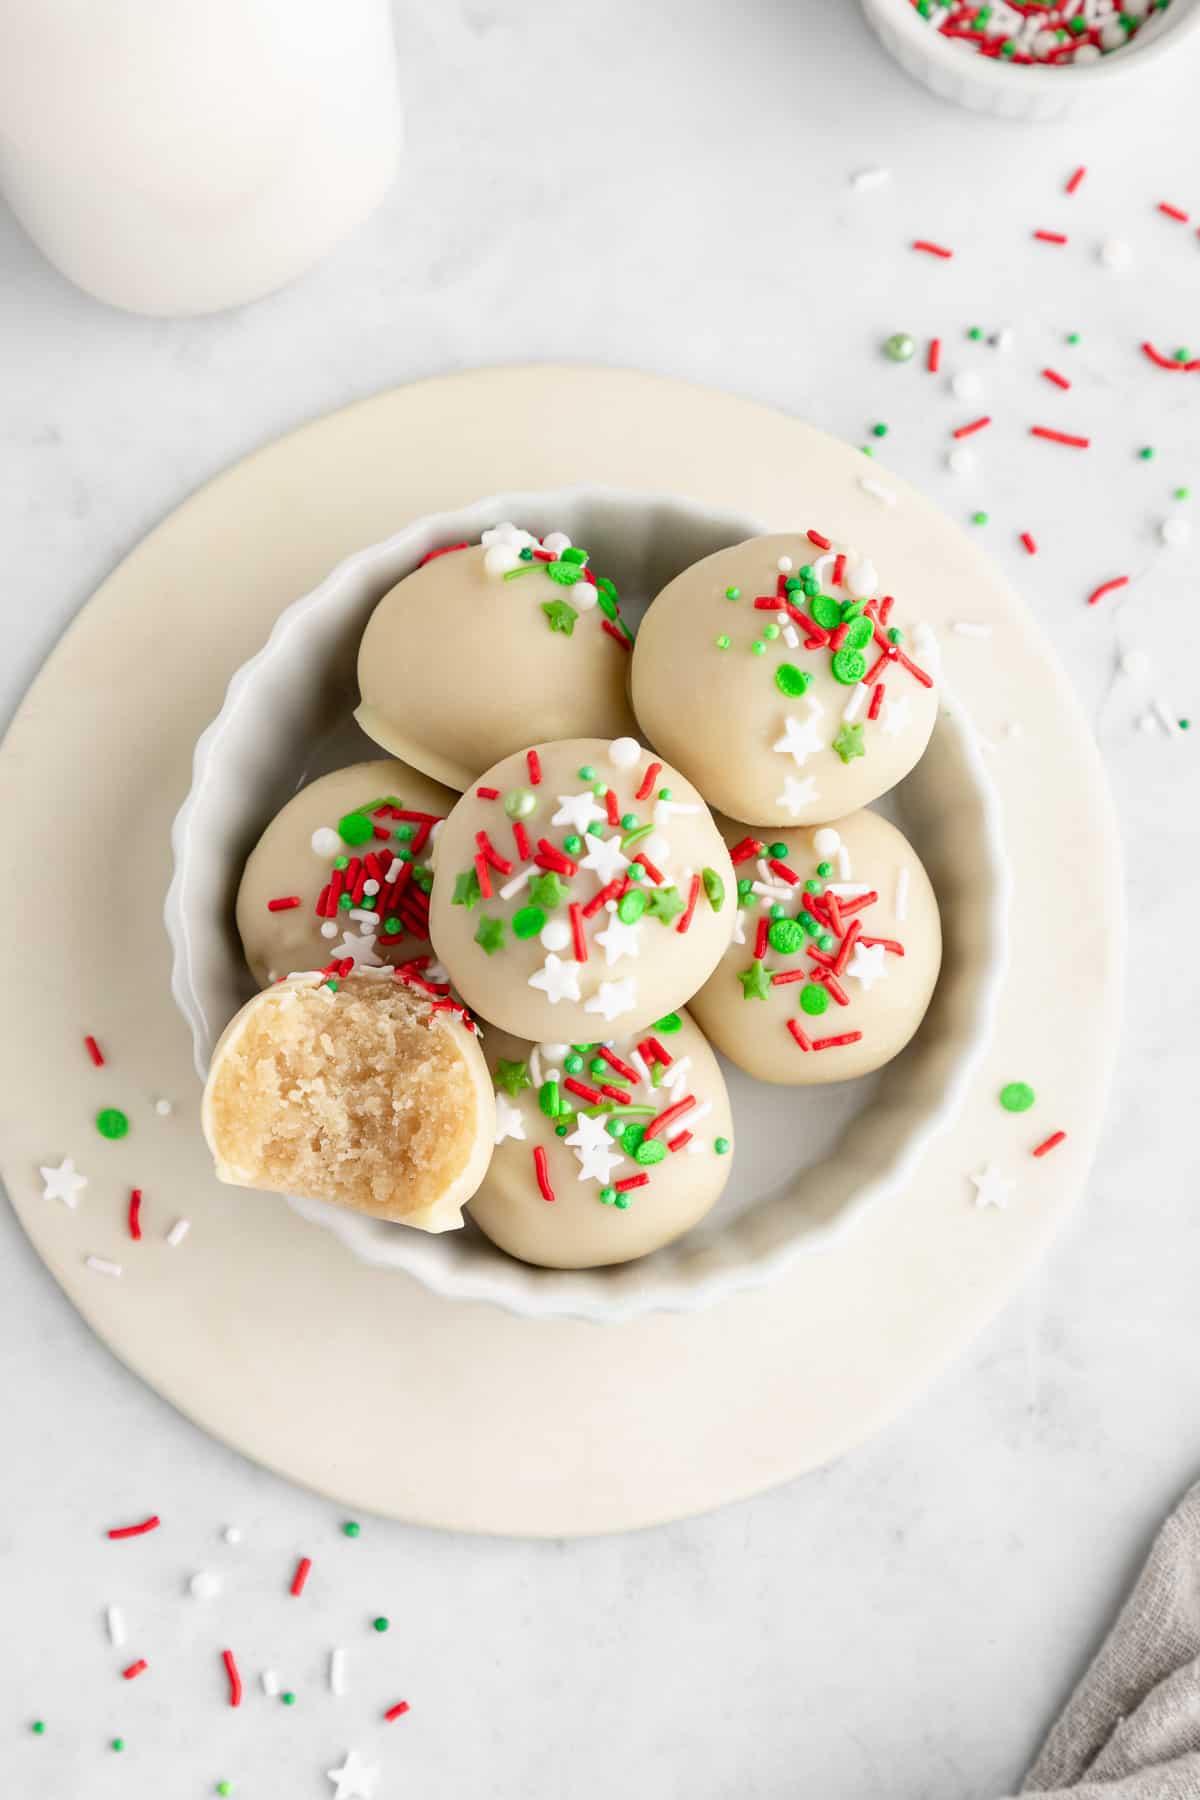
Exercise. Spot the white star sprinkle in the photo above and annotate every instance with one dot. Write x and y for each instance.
(800, 741)
(991, 1187)
(362, 949)
(619, 940)
(797, 795)
(578, 811)
(510, 1120)
(557, 979)
(354, 1780)
(597, 1153)
(64, 1183)
(896, 715)
(612, 998)
(606, 859)
(868, 965)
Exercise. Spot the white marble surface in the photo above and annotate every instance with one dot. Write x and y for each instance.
(665, 187)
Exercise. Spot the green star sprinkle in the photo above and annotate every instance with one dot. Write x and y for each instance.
(562, 617)
(756, 983)
(466, 889)
(849, 741)
(512, 1077)
(664, 905)
(714, 889)
(1017, 1096)
(111, 1122)
(490, 935)
(548, 890)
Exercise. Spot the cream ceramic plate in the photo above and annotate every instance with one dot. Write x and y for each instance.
(458, 1414)
(807, 1165)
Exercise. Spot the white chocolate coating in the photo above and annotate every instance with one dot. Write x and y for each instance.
(528, 980)
(579, 1229)
(753, 749)
(459, 667)
(887, 993)
(294, 859)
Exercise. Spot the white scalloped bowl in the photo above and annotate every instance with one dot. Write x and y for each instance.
(809, 1162)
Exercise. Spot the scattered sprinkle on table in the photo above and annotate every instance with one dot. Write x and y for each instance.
(178, 1232)
(135, 1213)
(975, 425)
(351, 1528)
(1060, 381)
(303, 1570)
(114, 1620)
(1059, 437)
(931, 249)
(135, 1669)
(1107, 587)
(1017, 1096)
(94, 1051)
(111, 1122)
(1050, 1143)
(900, 347)
(380, 1624)
(234, 1677)
(396, 1712)
(1173, 212)
(1050, 237)
(38, 1728)
(1075, 179)
(138, 1530)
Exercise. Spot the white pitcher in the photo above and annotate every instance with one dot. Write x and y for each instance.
(180, 156)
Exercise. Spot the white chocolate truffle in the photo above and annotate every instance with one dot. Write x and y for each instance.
(837, 984)
(360, 1092)
(562, 843)
(476, 654)
(295, 861)
(774, 720)
(636, 1149)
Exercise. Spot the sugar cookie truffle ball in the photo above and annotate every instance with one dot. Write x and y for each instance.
(603, 1151)
(580, 886)
(342, 873)
(835, 955)
(363, 1092)
(490, 647)
(808, 692)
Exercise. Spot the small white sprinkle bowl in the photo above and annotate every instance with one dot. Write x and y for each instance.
(1028, 94)
(808, 1163)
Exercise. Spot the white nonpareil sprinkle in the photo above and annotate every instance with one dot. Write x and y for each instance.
(864, 180)
(784, 565)
(102, 1266)
(1115, 254)
(204, 1585)
(623, 752)
(877, 490)
(232, 1534)
(965, 385)
(326, 842)
(178, 1232)
(900, 902)
(1175, 531)
(1004, 339)
(271, 1683)
(163, 1108)
(555, 934)
(826, 841)
(968, 628)
(114, 1619)
(329, 929)
(337, 1671)
(1136, 664)
(862, 579)
(960, 460)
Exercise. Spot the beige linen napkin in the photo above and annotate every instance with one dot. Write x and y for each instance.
(1131, 1730)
